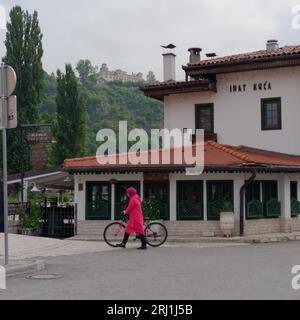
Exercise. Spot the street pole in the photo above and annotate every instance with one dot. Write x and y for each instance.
(22, 164)
(4, 145)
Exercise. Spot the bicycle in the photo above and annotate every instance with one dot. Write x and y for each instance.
(156, 233)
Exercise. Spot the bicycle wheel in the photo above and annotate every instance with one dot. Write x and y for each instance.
(156, 234)
(114, 234)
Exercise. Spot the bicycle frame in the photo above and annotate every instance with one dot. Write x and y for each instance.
(124, 223)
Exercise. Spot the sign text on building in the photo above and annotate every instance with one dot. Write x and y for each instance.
(261, 86)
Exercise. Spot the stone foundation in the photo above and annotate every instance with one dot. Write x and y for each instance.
(262, 226)
(205, 228)
(295, 224)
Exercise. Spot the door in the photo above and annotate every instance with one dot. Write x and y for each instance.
(98, 201)
(121, 198)
(159, 191)
(219, 192)
(190, 200)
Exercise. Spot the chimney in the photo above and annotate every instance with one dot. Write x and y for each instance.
(195, 55)
(272, 45)
(169, 66)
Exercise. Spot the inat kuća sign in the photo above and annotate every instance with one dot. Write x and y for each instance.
(258, 86)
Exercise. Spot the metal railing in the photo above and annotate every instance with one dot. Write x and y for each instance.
(59, 222)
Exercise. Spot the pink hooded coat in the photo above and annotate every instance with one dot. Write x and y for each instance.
(136, 219)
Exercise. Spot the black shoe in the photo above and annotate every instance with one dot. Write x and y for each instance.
(121, 245)
(142, 248)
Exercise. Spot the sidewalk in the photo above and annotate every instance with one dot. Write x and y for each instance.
(17, 267)
(23, 247)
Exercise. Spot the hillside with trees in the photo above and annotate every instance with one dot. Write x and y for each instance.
(107, 104)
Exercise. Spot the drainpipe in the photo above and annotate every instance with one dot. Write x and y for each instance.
(242, 197)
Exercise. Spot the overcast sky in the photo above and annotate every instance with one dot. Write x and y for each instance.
(127, 34)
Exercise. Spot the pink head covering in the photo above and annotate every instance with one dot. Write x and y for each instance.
(131, 192)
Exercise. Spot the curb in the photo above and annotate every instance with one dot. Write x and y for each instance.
(272, 239)
(26, 268)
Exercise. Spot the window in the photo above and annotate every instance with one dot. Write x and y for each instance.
(190, 200)
(98, 201)
(218, 193)
(295, 204)
(271, 114)
(294, 190)
(205, 117)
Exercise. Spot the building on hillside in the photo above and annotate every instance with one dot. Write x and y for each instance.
(107, 75)
(248, 105)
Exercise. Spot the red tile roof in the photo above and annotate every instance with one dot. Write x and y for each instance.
(287, 51)
(216, 155)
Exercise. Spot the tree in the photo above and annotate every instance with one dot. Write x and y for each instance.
(24, 52)
(151, 77)
(71, 131)
(85, 70)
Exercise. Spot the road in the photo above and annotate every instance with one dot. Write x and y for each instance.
(176, 272)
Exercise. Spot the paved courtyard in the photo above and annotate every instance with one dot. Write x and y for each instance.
(180, 272)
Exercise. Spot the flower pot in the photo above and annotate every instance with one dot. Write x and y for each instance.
(227, 223)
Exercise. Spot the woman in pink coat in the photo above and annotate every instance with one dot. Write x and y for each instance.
(135, 224)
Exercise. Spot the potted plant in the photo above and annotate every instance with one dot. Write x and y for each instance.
(151, 209)
(227, 219)
(31, 223)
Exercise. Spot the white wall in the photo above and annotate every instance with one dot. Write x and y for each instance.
(238, 114)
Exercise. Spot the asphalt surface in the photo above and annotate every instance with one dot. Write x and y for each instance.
(180, 273)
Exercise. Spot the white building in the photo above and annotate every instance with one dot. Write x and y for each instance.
(249, 107)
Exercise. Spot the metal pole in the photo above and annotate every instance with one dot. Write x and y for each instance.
(4, 145)
(21, 164)
(5, 194)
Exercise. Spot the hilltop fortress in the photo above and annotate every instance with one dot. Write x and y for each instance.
(107, 75)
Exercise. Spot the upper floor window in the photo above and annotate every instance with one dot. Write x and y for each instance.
(205, 117)
(271, 114)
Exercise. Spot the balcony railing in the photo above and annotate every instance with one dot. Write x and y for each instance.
(260, 210)
(295, 208)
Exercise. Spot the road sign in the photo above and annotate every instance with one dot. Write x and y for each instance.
(10, 83)
(39, 137)
(12, 118)
(39, 156)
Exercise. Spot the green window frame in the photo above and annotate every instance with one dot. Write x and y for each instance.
(271, 114)
(217, 192)
(199, 116)
(262, 200)
(98, 203)
(159, 190)
(254, 206)
(295, 204)
(190, 200)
